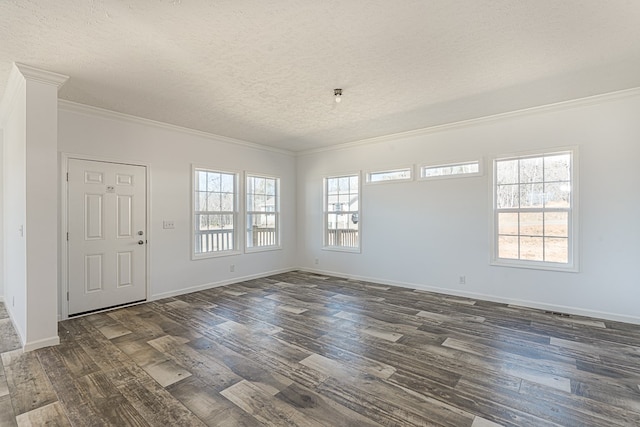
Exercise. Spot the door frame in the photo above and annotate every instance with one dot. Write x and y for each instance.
(63, 263)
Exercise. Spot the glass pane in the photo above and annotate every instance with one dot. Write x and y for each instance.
(227, 183)
(531, 224)
(226, 221)
(250, 205)
(508, 247)
(390, 175)
(259, 203)
(344, 200)
(557, 195)
(531, 196)
(508, 223)
(353, 183)
(332, 185)
(343, 184)
(507, 196)
(227, 202)
(213, 204)
(260, 186)
(507, 171)
(556, 224)
(332, 203)
(556, 250)
(213, 181)
(332, 221)
(250, 184)
(531, 248)
(557, 168)
(353, 205)
(200, 201)
(531, 170)
(271, 187)
(201, 181)
(270, 203)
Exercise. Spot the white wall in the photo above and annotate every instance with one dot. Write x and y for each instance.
(169, 154)
(426, 234)
(14, 200)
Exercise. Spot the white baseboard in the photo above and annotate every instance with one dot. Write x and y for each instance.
(487, 297)
(218, 284)
(45, 342)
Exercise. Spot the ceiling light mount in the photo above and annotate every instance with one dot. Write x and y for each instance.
(338, 95)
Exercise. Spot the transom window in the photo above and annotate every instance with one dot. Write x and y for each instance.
(215, 212)
(451, 170)
(342, 212)
(389, 175)
(263, 212)
(534, 210)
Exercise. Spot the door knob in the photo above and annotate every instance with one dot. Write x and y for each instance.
(140, 233)
(141, 242)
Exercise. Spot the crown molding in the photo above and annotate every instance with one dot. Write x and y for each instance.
(76, 107)
(18, 76)
(557, 106)
(41, 76)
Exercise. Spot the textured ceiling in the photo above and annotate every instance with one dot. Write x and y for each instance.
(264, 71)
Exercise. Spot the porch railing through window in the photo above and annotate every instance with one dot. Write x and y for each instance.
(342, 237)
(214, 240)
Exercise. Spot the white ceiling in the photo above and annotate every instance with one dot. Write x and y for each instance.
(264, 71)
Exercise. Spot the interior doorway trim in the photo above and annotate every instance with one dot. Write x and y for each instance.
(63, 263)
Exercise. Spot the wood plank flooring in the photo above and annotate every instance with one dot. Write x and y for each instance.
(299, 349)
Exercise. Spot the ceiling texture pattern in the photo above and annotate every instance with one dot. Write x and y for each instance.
(264, 71)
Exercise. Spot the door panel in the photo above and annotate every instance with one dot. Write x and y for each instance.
(107, 222)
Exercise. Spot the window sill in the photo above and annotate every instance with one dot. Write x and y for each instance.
(341, 249)
(535, 265)
(262, 249)
(209, 255)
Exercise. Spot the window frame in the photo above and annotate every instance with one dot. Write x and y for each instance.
(237, 218)
(572, 264)
(278, 245)
(410, 168)
(325, 214)
(424, 166)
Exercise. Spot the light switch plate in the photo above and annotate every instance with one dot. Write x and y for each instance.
(168, 225)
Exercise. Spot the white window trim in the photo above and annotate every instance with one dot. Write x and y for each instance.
(480, 172)
(390, 181)
(326, 247)
(277, 247)
(239, 223)
(573, 266)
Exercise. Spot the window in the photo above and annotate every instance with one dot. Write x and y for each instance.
(389, 175)
(263, 212)
(341, 212)
(534, 211)
(451, 170)
(215, 211)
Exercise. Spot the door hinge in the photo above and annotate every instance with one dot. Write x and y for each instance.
(67, 176)
(67, 295)
(67, 236)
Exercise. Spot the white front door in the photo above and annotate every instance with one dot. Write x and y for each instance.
(107, 234)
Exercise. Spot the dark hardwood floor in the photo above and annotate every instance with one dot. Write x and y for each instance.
(309, 350)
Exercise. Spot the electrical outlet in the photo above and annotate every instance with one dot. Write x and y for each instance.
(463, 280)
(168, 225)
(317, 261)
(232, 268)
(13, 302)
